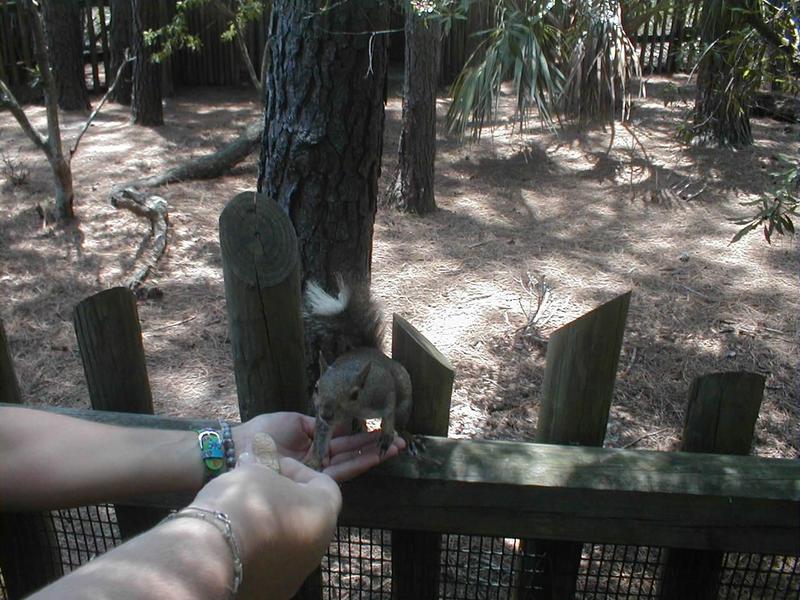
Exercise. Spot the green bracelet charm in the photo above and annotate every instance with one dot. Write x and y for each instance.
(211, 451)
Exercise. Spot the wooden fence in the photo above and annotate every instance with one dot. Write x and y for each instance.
(218, 63)
(666, 43)
(698, 507)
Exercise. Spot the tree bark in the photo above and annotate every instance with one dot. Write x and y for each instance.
(721, 110)
(323, 138)
(413, 187)
(64, 33)
(121, 25)
(146, 106)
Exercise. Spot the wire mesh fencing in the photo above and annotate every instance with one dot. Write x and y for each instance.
(358, 564)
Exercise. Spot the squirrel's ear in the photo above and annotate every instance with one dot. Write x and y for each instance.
(323, 364)
(362, 376)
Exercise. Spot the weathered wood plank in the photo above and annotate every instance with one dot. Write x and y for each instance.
(606, 495)
(261, 266)
(107, 74)
(579, 377)
(9, 386)
(110, 344)
(721, 417)
(577, 389)
(415, 554)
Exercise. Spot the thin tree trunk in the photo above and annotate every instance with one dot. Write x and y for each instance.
(53, 149)
(413, 186)
(64, 33)
(146, 106)
(65, 197)
(121, 25)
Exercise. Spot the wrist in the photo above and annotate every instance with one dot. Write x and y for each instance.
(217, 450)
(213, 553)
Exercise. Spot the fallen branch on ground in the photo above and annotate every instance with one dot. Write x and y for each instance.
(155, 209)
(208, 166)
(131, 196)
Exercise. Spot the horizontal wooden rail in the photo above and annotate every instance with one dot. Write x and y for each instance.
(603, 495)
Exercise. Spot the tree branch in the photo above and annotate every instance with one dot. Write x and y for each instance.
(50, 93)
(7, 100)
(231, 16)
(107, 95)
(769, 35)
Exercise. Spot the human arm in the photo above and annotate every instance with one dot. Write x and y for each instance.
(53, 461)
(282, 524)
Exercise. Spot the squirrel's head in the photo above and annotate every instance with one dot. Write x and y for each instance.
(337, 394)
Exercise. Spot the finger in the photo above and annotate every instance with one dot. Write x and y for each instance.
(353, 454)
(347, 443)
(307, 425)
(342, 428)
(352, 468)
(326, 487)
(296, 471)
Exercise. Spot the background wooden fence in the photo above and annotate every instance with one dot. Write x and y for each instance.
(667, 43)
(684, 522)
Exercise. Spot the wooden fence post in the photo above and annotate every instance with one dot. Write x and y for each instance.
(720, 419)
(9, 386)
(261, 265)
(416, 554)
(578, 385)
(110, 344)
(29, 554)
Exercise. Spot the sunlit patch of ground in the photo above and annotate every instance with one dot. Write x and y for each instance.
(649, 215)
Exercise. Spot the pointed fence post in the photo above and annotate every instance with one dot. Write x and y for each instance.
(720, 419)
(29, 553)
(415, 554)
(110, 344)
(578, 386)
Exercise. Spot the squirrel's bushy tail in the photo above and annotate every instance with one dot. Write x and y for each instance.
(351, 319)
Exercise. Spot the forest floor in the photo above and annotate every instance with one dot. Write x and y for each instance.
(649, 215)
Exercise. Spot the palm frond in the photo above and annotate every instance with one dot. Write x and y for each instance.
(520, 48)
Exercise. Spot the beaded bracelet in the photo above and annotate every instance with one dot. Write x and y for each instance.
(227, 444)
(223, 523)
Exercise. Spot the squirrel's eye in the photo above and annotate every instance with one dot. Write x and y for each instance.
(354, 394)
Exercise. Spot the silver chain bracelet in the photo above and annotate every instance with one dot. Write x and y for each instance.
(223, 523)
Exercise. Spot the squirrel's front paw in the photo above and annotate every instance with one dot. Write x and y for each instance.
(414, 443)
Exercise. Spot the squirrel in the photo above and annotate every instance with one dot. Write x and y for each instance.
(362, 382)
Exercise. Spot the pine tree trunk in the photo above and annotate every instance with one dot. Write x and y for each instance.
(146, 96)
(64, 31)
(721, 110)
(120, 33)
(413, 187)
(322, 144)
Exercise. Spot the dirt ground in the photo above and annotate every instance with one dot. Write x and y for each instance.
(650, 215)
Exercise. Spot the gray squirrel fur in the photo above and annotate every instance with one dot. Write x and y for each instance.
(361, 382)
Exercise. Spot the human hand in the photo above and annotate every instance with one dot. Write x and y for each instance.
(350, 455)
(282, 522)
